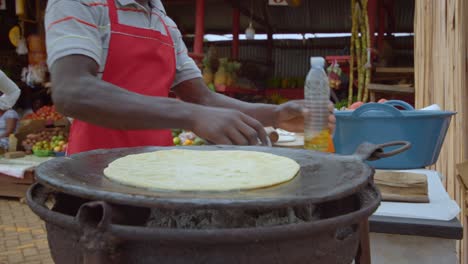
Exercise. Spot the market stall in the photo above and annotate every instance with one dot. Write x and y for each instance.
(40, 137)
(273, 69)
(424, 227)
(391, 79)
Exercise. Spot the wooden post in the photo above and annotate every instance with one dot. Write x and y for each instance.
(372, 12)
(270, 49)
(199, 27)
(440, 64)
(235, 33)
(363, 254)
(270, 46)
(382, 15)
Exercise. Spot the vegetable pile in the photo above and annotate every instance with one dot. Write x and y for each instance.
(45, 113)
(186, 138)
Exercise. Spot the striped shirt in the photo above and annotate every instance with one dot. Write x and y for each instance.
(83, 27)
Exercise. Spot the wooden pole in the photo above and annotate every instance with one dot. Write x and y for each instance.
(372, 12)
(199, 27)
(352, 51)
(441, 49)
(364, 253)
(270, 45)
(382, 15)
(235, 33)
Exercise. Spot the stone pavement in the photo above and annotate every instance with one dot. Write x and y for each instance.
(23, 238)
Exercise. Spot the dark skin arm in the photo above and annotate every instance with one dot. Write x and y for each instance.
(78, 93)
(288, 116)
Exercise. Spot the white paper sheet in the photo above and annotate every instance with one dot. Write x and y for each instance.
(17, 167)
(440, 206)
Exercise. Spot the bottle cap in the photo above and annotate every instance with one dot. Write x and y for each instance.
(317, 62)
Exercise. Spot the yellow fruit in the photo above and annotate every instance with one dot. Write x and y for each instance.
(14, 35)
(220, 77)
(57, 149)
(188, 142)
(207, 76)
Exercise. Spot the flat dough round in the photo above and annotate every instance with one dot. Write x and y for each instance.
(195, 170)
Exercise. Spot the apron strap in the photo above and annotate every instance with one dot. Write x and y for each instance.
(113, 16)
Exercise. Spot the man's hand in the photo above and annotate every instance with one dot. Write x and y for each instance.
(228, 127)
(290, 116)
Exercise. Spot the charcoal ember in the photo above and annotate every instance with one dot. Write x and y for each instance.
(224, 218)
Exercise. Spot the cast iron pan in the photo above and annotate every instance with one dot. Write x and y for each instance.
(322, 177)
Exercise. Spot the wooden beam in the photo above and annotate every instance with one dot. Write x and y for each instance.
(269, 28)
(235, 33)
(394, 70)
(246, 12)
(382, 15)
(270, 41)
(199, 26)
(390, 7)
(372, 14)
(374, 87)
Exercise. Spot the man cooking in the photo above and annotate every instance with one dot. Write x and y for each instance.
(113, 63)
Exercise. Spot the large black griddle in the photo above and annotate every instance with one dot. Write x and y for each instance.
(322, 177)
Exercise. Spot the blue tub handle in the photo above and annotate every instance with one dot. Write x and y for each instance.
(376, 106)
(400, 103)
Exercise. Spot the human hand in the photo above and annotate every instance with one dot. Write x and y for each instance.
(290, 116)
(228, 127)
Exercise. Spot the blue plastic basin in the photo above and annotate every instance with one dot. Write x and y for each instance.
(381, 123)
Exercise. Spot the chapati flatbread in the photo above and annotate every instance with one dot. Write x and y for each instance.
(195, 170)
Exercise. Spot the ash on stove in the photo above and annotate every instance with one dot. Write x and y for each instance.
(233, 218)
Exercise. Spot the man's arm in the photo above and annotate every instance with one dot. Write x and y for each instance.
(78, 93)
(288, 116)
(195, 91)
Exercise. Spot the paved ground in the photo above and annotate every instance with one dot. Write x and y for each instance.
(23, 237)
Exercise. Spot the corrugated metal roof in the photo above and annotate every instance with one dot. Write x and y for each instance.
(313, 16)
(290, 57)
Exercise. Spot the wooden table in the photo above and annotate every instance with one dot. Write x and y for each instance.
(11, 186)
(16, 187)
(397, 240)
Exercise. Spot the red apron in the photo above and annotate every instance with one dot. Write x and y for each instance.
(141, 61)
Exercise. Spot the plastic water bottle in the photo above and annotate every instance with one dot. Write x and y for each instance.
(317, 97)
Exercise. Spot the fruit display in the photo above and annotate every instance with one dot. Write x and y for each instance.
(49, 141)
(286, 83)
(208, 76)
(186, 138)
(277, 99)
(232, 68)
(220, 77)
(341, 105)
(45, 113)
(225, 75)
